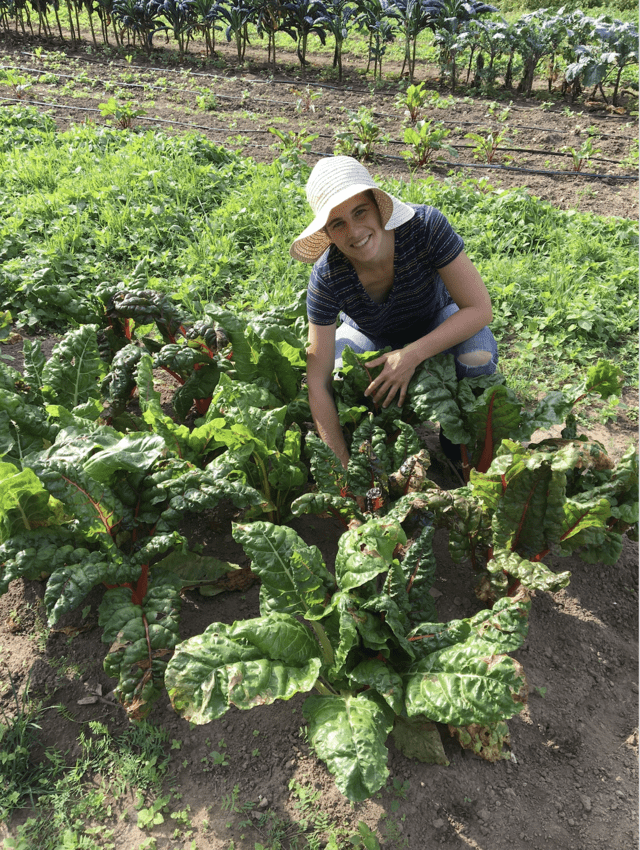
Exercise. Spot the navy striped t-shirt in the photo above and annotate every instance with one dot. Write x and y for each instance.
(424, 244)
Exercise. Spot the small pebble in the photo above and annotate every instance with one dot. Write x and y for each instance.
(438, 824)
(586, 803)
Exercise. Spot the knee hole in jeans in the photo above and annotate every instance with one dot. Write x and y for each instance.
(475, 358)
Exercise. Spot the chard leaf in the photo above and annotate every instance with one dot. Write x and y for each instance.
(249, 663)
(278, 373)
(142, 638)
(405, 444)
(533, 575)
(195, 570)
(327, 470)
(504, 626)
(344, 507)
(34, 363)
(365, 552)
(69, 585)
(293, 575)
(30, 428)
(33, 554)
(493, 417)
(349, 733)
(419, 739)
(236, 331)
(132, 453)
(24, 503)
(73, 373)
(433, 395)
(466, 684)
(339, 624)
(85, 499)
(418, 572)
(379, 676)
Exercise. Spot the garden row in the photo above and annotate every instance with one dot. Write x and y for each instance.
(96, 480)
(586, 52)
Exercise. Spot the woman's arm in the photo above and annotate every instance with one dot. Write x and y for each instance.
(320, 362)
(465, 286)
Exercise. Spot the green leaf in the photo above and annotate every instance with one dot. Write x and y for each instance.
(294, 577)
(432, 394)
(24, 503)
(465, 684)
(365, 552)
(73, 373)
(142, 638)
(381, 677)
(249, 663)
(349, 733)
(419, 739)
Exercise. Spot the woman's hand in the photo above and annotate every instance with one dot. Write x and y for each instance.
(398, 370)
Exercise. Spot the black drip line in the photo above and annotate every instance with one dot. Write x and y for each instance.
(227, 132)
(274, 81)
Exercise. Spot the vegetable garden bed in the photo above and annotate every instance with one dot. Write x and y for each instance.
(564, 772)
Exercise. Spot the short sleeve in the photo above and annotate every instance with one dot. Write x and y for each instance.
(322, 307)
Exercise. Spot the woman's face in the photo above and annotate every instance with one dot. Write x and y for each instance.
(356, 230)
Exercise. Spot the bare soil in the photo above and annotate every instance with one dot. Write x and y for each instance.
(571, 781)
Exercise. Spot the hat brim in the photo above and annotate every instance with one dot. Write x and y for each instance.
(313, 241)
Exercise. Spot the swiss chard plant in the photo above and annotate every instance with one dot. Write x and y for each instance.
(366, 641)
(86, 505)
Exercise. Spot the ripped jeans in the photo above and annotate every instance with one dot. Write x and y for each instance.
(484, 340)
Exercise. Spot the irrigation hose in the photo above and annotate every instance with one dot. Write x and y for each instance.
(272, 80)
(226, 131)
(535, 151)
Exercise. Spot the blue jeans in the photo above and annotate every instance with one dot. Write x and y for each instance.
(482, 341)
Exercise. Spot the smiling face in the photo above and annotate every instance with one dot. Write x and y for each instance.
(356, 230)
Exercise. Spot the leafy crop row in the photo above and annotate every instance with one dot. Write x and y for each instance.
(591, 51)
(96, 479)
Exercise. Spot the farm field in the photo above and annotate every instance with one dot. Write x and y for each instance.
(250, 780)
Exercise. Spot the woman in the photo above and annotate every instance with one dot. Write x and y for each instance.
(395, 274)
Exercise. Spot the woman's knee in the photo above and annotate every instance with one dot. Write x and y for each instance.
(475, 358)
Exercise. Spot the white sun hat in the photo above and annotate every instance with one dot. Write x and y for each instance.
(333, 181)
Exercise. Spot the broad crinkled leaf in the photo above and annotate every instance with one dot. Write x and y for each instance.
(142, 639)
(246, 664)
(344, 507)
(432, 394)
(465, 684)
(534, 575)
(504, 626)
(132, 453)
(349, 734)
(24, 503)
(293, 575)
(367, 551)
(94, 504)
(380, 676)
(74, 372)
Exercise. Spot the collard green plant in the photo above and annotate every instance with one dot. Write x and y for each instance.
(357, 639)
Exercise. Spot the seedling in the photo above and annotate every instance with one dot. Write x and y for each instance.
(426, 141)
(413, 101)
(305, 99)
(120, 113)
(582, 156)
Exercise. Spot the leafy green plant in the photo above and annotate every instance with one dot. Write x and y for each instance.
(413, 101)
(340, 635)
(292, 140)
(360, 137)
(120, 113)
(582, 156)
(427, 143)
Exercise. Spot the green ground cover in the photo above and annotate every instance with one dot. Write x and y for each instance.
(96, 205)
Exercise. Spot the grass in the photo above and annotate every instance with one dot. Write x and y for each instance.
(187, 216)
(62, 798)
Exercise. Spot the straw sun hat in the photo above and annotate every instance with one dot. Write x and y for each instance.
(333, 181)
